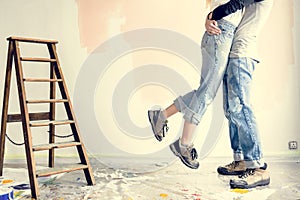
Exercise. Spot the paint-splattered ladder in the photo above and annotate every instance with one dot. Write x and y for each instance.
(48, 118)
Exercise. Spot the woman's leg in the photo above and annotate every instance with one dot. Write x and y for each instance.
(169, 111)
(215, 51)
(188, 133)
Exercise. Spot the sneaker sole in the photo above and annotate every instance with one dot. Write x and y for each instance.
(158, 137)
(258, 184)
(176, 153)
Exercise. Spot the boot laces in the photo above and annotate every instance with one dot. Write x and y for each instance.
(233, 165)
(248, 172)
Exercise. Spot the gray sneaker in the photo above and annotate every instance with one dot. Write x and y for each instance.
(158, 123)
(187, 155)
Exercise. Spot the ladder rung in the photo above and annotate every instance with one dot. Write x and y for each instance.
(32, 117)
(37, 59)
(48, 101)
(32, 40)
(47, 123)
(42, 80)
(59, 170)
(55, 145)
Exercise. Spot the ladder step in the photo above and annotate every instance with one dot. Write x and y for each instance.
(37, 59)
(42, 80)
(55, 145)
(32, 117)
(47, 123)
(32, 40)
(59, 170)
(48, 101)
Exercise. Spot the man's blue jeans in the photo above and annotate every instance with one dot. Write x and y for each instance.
(215, 51)
(243, 130)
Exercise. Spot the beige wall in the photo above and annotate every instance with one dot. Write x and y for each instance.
(81, 26)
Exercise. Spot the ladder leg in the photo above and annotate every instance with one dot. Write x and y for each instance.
(71, 115)
(5, 105)
(87, 172)
(25, 123)
(52, 116)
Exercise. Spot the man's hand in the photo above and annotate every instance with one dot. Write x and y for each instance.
(212, 26)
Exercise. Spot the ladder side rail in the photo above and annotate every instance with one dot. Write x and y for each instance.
(5, 103)
(62, 84)
(52, 116)
(71, 115)
(25, 123)
(64, 93)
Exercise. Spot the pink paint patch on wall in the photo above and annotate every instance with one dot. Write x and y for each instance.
(100, 20)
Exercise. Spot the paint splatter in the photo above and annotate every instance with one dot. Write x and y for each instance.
(196, 196)
(240, 191)
(163, 195)
(7, 181)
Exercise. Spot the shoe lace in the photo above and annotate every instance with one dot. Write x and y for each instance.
(165, 128)
(234, 164)
(193, 153)
(247, 173)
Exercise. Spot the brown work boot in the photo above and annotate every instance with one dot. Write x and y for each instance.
(234, 168)
(251, 178)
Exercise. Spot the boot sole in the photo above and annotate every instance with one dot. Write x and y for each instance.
(261, 183)
(227, 173)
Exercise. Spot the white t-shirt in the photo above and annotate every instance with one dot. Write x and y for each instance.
(246, 36)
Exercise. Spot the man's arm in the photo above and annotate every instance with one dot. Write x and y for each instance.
(221, 11)
(229, 8)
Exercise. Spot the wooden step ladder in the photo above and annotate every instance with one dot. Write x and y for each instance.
(41, 119)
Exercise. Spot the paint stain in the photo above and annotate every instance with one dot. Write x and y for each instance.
(7, 181)
(196, 196)
(240, 191)
(163, 195)
(18, 193)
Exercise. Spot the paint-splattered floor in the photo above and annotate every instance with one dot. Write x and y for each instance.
(172, 181)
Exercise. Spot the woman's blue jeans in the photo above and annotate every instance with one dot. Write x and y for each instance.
(215, 51)
(243, 131)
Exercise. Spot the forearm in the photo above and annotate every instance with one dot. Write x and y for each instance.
(230, 7)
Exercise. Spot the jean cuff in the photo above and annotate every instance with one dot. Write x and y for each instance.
(238, 156)
(188, 115)
(254, 164)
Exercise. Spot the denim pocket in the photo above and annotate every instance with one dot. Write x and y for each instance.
(224, 37)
